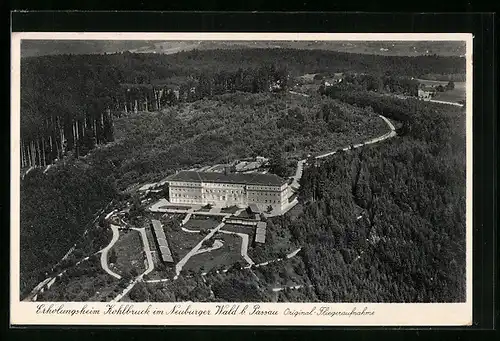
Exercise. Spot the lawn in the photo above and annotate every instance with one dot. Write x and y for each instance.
(220, 259)
(231, 209)
(454, 95)
(206, 217)
(201, 224)
(250, 230)
(170, 207)
(180, 242)
(129, 253)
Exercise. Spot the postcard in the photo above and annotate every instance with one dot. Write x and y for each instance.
(241, 179)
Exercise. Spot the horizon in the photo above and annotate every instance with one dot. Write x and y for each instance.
(38, 48)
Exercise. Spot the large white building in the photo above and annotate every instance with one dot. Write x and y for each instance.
(224, 190)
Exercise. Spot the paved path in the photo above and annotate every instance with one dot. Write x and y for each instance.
(298, 174)
(104, 252)
(244, 245)
(186, 218)
(217, 245)
(445, 102)
(294, 253)
(290, 287)
(381, 138)
(425, 100)
(158, 280)
(189, 231)
(194, 250)
(295, 185)
(156, 209)
(288, 256)
(298, 93)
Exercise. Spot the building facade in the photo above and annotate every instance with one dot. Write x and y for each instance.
(224, 190)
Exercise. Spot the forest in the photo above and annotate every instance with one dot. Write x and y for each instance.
(68, 101)
(410, 244)
(377, 83)
(56, 209)
(230, 127)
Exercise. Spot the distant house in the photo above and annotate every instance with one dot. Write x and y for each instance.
(336, 79)
(275, 86)
(426, 92)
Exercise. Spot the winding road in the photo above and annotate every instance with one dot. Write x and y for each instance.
(104, 252)
(295, 185)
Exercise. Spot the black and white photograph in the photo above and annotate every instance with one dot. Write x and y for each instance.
(243, 172)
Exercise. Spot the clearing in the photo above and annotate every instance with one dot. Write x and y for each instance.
(129, 254)
(218, 259)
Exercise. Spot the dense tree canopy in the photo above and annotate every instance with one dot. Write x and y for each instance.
(56, 209)
(410, 244)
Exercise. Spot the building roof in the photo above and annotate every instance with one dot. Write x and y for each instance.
(166, 255)
(232, 178)
(260, 232)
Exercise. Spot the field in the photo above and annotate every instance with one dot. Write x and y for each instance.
(129, 253)
(201, 224)
(455, 95)
(180, 242)
(250, 230)
(221, 258)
